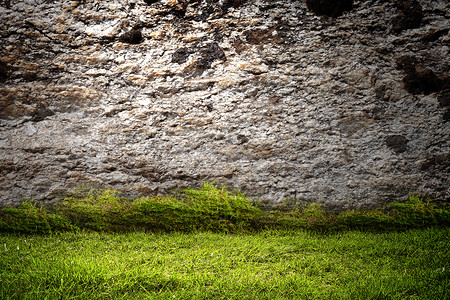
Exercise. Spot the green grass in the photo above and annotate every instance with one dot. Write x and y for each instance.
(212, 243)
(209, 208)
(300, 264)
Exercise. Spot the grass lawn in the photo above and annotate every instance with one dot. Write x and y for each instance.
(298, 264)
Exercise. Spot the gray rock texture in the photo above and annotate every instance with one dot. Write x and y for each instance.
(263, 96)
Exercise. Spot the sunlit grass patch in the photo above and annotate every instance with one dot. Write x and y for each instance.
(203, 265)
(212, 243)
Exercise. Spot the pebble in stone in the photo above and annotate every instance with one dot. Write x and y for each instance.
(330, 8)
(180, 55)
(131, 37)
(409, 15)
(418, 78)
(149, 2)
(397, 143)
(422, 80)
(4, 71)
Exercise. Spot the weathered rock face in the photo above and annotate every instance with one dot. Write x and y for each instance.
(263, 96)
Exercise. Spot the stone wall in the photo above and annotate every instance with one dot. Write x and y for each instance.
(263, 96)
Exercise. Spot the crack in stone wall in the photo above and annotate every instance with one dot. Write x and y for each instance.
(263, 96)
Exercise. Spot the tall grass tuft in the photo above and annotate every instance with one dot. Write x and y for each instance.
(210, 208)
(31, 218)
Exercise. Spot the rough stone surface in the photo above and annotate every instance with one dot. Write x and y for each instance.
(263, 96)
